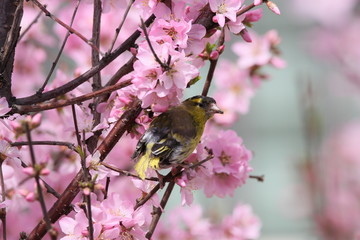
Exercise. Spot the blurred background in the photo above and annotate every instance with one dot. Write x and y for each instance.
(292, 119)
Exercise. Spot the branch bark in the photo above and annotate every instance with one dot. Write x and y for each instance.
(10, 17)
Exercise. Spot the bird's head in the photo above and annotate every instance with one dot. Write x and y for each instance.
(202, 104)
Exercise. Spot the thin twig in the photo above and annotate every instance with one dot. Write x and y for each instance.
(164, 66)
(260, 178)
(85, 171)
(125, 173)
(30, 25)
(169, 178)
(38, 186)
(245, 9)
(49, 189)
(41, 89)
(71, 146)
(118, 29)
(158, 210)
(147, 197)
(105, 61)
(72, 30)
(67, 102)
(107, 184)
(213, 63)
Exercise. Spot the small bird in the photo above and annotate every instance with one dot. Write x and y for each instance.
(174, 134)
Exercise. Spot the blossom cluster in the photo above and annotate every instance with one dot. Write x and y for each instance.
(165, 61)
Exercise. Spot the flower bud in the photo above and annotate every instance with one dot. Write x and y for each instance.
(245, 35)
(214, 55)
(273, 7)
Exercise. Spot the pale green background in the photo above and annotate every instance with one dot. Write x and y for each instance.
(273, 130)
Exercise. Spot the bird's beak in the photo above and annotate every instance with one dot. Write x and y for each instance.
(215, 109)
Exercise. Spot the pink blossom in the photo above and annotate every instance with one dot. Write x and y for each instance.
(253, 15)
(74, 228)
(241, 225)
(234, 27)
(8, 152)
(4, 107)
(230, 166)
(185, 223)
(29, 171)
(225, 8)
(235, 86)
(171, 31)
(146, 6)
(258, 53)
(157, 86)
(96, 168)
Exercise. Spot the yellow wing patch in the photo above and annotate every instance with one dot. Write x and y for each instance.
(145, 162)
(141, 166)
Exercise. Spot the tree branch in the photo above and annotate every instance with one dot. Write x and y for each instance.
(158, 210)
(11, 14)
(85, 76)
(96, 83)
(70, 29)
(63, 204)
(41, 89)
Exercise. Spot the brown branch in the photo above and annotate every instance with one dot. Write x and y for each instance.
(70, 29)
(62, 205)
(158, 210)
(11, 15)
(125, 69)
(85, 76)
(147, 197)
(96, 83)
(41, 89)
(245, 9)
(62, 103)
(123, 124)
(71, 146)
(118, 29)
(260, 178)
(49, 227)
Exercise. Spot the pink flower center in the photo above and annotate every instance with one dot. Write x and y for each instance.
(222, 8)
(224, 159)
(171, 32)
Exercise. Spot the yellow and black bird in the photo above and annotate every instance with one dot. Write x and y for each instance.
(174, 134)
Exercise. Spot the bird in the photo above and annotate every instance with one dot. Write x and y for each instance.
(173, 135)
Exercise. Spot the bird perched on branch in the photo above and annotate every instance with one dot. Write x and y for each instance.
(174, 134)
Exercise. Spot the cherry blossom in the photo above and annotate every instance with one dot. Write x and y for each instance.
(225, 9)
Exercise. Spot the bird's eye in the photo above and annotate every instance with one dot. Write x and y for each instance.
(201, 105)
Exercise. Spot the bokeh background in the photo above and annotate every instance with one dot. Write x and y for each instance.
(275, 127)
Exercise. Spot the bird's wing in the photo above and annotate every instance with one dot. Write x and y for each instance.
(167, 132)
